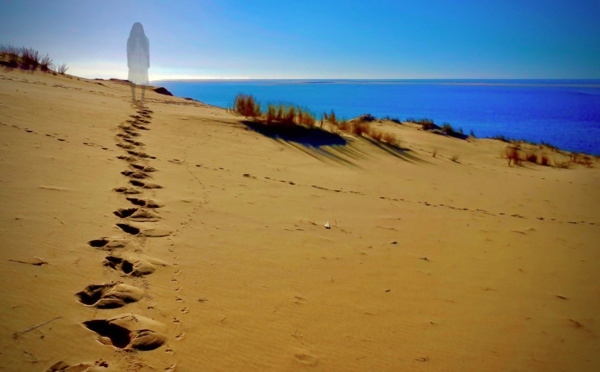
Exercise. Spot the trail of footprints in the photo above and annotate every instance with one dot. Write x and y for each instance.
(424, 203)
(137, 221)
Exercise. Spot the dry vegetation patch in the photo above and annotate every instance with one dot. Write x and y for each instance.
(291, 122)
(29, 59)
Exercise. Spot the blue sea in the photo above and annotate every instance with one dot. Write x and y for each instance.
(564, 113)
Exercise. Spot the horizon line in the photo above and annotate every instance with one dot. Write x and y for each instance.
(593, 83)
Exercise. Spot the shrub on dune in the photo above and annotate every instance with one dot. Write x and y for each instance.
(30, 59)
(288, 117)
(344, 126)
(46, 63)
(360, 128)
(271, 114)
(513, 155)
(62, 69)
(245, 105)
(376, 134)
(389, 138)
(332, 118)
(307, 119)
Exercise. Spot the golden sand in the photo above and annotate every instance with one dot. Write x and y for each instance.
(218, 258)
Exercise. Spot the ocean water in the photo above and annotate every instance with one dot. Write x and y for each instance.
(564, 113)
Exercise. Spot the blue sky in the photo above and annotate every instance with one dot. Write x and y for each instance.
(316, 39)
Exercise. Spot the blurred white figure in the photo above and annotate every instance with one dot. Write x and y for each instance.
(138, 58)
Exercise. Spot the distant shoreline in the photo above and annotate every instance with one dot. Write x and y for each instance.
(565, 83)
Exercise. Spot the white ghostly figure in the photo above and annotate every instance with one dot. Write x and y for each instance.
(138, 58)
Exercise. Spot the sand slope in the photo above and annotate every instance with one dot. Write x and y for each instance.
(217, 257)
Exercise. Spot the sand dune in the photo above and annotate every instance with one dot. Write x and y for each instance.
(168, 236)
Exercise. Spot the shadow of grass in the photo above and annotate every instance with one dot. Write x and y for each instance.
(400, 153)
(325, 146)
(310, 137)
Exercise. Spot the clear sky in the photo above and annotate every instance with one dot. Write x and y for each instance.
(316, 39)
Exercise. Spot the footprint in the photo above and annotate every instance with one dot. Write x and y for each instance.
(109, 296)
(129, 331)
(125, 146)
(306, 359)
(145, 185)
(129, 229)
(63, 366)
(139, 126)
(127, 190)
(145, 216)
(129, 159)
(137, 183)
(107, 243)
(137, 175)
(145, 168)
(130, 266)
(137, 214)
(140, 154)
(131, 132)
(133, 142)
(136, 201)
(125, 212)
(148, 203)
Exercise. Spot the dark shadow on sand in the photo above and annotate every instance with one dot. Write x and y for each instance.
(324, 145)
(316, 142)
(310, 137)
(400, 153)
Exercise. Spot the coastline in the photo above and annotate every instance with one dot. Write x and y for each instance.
(517, 111)
(577, 83)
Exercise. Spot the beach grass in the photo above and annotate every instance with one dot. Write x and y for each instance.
(284, 118)
(446, 129)
(29, 59)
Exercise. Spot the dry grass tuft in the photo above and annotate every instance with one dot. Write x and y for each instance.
(383, 137)
(360, 128)
(389, 138)
(46, 64)
(426, 124)
(345, 126)
(512, 153)
(62, 69)
(271, 115)
(28, 59)
(331, 118)
(245, 105)
(376, 134)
